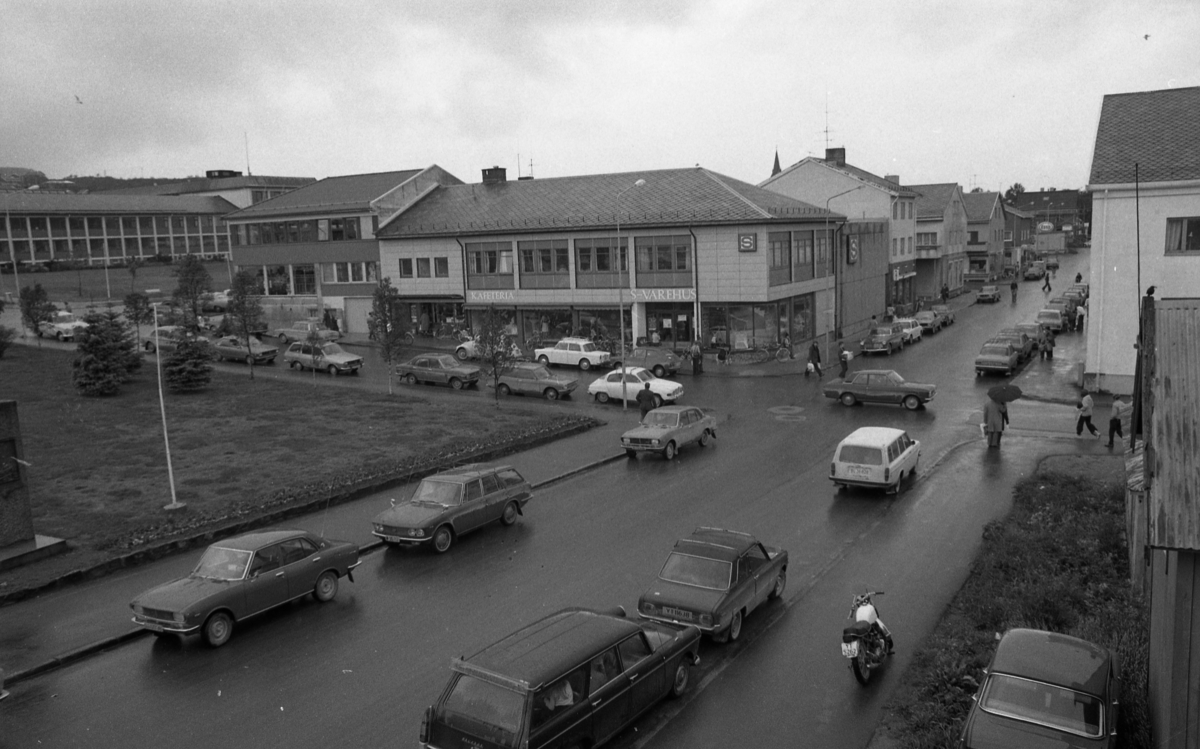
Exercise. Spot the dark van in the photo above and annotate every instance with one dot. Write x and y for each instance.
(574, 678)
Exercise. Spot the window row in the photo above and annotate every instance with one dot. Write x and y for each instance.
(36, 227)
(902, 209)
(294, 232)
(97, 248)
(799, 256)
(301, 279)
(420, 267)
(927, 239)
(902, 246)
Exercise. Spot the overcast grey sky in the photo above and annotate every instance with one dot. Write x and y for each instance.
(982, 92)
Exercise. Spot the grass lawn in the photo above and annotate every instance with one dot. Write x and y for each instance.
(98, 472)
(1058, 562)
(87, 285)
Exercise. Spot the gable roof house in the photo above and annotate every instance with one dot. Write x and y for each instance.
(242, 191)
(1145, 185)
(863, 197)
(315, 249)
(985, 235)
(941, 239)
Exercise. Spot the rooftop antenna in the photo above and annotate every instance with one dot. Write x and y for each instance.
(246, 140)
(826, 120)
(531, 167)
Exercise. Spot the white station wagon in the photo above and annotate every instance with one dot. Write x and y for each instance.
(875, 457)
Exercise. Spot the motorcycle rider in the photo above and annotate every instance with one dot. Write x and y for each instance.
(864, 611)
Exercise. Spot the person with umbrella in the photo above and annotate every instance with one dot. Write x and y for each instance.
(995, 412)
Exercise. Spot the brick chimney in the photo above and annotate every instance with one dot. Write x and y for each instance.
(495, 175)
(893, 178)
(836, 156)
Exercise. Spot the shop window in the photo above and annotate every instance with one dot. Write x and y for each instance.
(406, 267)
(441, 267)
(423, 267)
(277, 280)
(305, 278)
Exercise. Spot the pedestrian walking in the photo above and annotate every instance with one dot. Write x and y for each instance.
(1079, 318)
(1085, 416)
(645, 401)
(814, 359)
(843, 360)
(945, 293)
(697, 358)
(1013, 287)
(1119, 409)
(1078, 278)
(995, 417)
(1046, 344)
(1046, 283)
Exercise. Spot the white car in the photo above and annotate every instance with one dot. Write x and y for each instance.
(875, 457)
(63, 326)
(329, 357)
(574, 352)
(635, 379)
(912, 329)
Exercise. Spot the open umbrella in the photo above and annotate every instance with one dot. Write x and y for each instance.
(1004, 393)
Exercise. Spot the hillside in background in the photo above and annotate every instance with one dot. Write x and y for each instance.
(20, 178)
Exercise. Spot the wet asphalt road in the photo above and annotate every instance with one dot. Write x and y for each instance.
(359, 671)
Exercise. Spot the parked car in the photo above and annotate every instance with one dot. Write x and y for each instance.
(1018, 340)
(575, 678)
(889, 337)
(217, 301)
(1082, 287)
(661, 361)
(439, 369)
(1052, 262)
(945, 312)
(1031, 329)
(574, 352)
(1045, 689)
(240, 577)
(634, 378)
(450, 504)
(912, 329)
(1075, 295)
(1067, 305)
(1034, 272)
(996, 357)
(329, 357)
(880, 386)
(875, 457)
(713, 579)
(990, 294)
(531, 378)
(1051, 318)
(234, 348)
(667, 429)
(302, 329)
(62, 326)
(931, 322)
(167, 338)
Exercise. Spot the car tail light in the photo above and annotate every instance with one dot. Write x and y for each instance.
(833, 469)
(887, 473)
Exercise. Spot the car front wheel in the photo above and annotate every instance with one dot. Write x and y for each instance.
(670, 451)
(455, 383)
(509, 516)
(848, 399)
(543, 359)
(679, 683)
(602, 397)
(705, 437)
(658, 401)
(462, 354)
(504, 389)
(912, 402)
(410, 379)
(443, 538)
(218, 629)
(282, 338)
(780, 584)
(326, 587)
(551, 394)
(659, 371)
(585, 365)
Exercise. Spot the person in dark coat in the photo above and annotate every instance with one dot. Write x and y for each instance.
(814, 358)
(995, 416)
(843, 360)
(645, 400)
(697, 358)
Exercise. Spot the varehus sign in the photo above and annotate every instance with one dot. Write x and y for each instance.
(663, 295)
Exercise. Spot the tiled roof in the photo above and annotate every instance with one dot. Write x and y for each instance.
(1157, 130)
(853, 171)
(32, 201)
(1041, 201)
(669, 197)
(352, 192)
(980, 205)
(933, 199)
(204, 184)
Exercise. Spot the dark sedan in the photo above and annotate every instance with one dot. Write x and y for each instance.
(439, 369)
(713, 579)
(1044, 689)
(532, 378)
(234, 348)
(244, 576)
(880, 386)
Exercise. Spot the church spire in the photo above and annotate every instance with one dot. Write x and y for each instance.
(776, 170)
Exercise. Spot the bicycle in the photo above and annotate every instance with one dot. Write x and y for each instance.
(759, 354)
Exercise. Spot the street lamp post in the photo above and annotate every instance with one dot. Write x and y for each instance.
(162, 406)
(621, 311)
(837, 275)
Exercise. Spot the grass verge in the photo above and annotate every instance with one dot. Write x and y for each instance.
(97, 470)
(1057, 562)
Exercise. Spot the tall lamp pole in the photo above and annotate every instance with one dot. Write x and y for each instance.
(162, 406)
(837, 276)
(621, 313)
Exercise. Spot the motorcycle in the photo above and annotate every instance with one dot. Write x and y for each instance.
(867, 642)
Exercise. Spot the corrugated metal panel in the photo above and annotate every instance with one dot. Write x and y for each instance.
(1174, 442)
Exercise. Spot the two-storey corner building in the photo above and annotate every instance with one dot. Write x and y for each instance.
(241, 190)
(985, 235)
(863, 197)
(1145, 185)
(314, 248)
(1018, 237)
(48, 227)
(941, 239)
(1066, 213)
(672, 255)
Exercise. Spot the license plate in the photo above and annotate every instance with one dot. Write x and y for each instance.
(850, 649)
(677, 613)
(393, 539)
(860, 471)
(153, 627)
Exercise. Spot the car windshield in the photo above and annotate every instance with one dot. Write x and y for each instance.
(1046, 704)
(644, 375)
(445, 493)
(484, 709)
(589, 346)
(1046, 315)
(698, 571)
(994, 351)
(924, 316)
(223, 564)
(661, 419)
(861, 455)
(895, 378)
(882, 332)
(330, 349)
